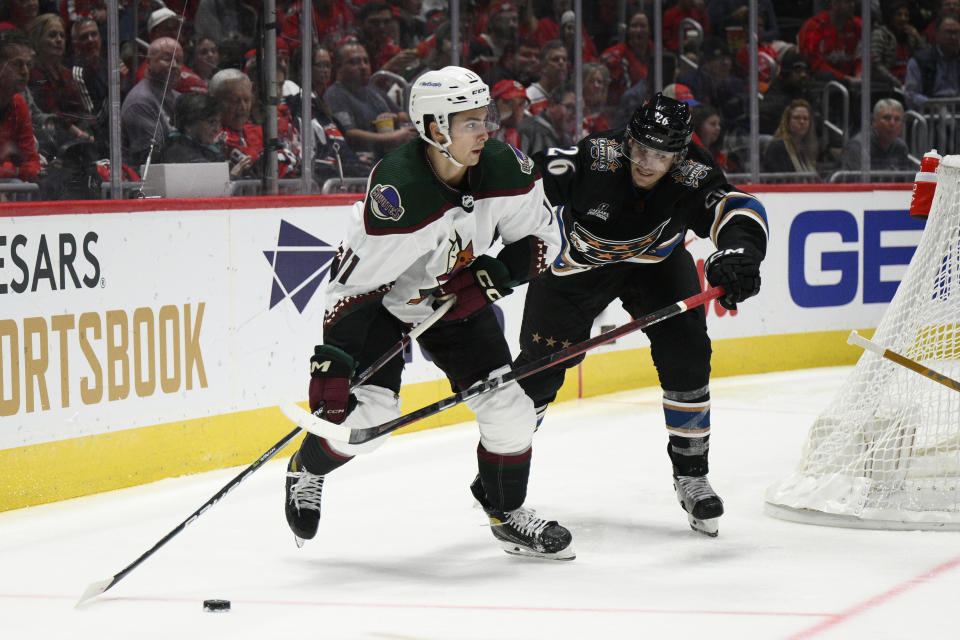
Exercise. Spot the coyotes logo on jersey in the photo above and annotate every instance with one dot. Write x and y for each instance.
(459, 257)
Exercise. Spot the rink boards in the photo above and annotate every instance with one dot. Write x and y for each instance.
(149, 339)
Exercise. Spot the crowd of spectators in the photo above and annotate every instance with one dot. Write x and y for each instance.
(191, 88)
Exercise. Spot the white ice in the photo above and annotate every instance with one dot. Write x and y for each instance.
(402, 553)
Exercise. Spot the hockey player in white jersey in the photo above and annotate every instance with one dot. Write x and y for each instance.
(432, 211)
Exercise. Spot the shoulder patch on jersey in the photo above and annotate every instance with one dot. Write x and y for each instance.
(690, 172)
(605, 153)
(526, 164)
(385, 202)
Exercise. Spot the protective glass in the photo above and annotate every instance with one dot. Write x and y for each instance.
(472, 124)
(650, 159)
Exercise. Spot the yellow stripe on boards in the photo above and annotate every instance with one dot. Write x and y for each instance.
(53, 471)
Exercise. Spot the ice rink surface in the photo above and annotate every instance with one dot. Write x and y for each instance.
(403, 554)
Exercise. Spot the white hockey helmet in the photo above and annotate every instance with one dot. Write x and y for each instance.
(442, 93)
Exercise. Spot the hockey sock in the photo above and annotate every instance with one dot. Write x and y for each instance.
(318, 457)
(504, 478)
(687, 415)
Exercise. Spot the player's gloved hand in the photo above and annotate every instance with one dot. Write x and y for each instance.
(485, 280)
(330, 372)
(737, 271)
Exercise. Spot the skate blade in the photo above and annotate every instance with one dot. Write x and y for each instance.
(299, 541)
(517, 550)
(706, 526)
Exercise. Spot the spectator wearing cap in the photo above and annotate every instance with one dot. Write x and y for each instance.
(596, 83)
(17, 14)
(52, 86)
(164, 23)
(683, 10)
(147, 111)
(792, 83)
(554, 126)
(512, 105)
(18, 152)
(499, 34)
(713, 83)
(520, 63)
(793, 148)
(682, 93)
(888, 152)
(726, 14)
(892, 43)
(568, 30)
(629, 62)
(830, 40)
(73, 10)
(934, 72)
(548, 27)
(708, 135)
(553, 75)
(236, 20)
(357, 106)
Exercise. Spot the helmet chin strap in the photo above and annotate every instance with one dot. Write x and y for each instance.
(443, 148)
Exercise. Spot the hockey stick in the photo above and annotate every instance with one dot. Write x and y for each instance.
(101, 586)
(341, 433)
(857, 339)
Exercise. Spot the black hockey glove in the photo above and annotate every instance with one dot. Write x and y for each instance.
(485, 280)
(330, 373)
(737, 271)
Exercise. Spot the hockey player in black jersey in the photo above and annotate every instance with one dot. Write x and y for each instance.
(434, 206)
(626, 200)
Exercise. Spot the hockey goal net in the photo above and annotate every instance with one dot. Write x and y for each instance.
(885, 453)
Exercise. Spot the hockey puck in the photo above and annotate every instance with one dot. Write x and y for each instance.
(216, 605)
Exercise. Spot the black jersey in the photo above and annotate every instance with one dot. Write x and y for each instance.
(606, 219)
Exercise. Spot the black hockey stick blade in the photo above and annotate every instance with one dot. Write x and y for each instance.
(342, 433)
(101, 586)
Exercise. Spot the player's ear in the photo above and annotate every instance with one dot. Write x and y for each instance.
(435, 133)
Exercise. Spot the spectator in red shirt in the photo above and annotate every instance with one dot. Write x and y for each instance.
(548, 28)
(375, 19)
(164, 23)
(18, 152)
(17, 14)
(596, 81)
(512, 103)
(526, 21)
(568, 29)
(830, 41)
(242, 139)
(673, 16)
(51, 83)
(629, 62)
(947, 7)
(499, 34)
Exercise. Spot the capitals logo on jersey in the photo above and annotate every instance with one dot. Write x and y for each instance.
(597, 250)
(605, 153)
(385, 202)
(690, 173)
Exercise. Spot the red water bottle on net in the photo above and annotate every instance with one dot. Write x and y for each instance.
(924, 185)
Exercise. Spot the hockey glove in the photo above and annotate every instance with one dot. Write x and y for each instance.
(737, 271)
(485, 280)
(330, 373)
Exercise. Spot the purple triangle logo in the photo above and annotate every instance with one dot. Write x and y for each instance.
(300, 263)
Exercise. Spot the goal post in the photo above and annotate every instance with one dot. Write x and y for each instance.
(885, 453)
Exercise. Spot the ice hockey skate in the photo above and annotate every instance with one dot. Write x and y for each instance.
(302, 506)
(702, 504)
(522, 533)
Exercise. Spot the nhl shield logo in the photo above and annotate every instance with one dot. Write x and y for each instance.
(467, 202)
(385, 202)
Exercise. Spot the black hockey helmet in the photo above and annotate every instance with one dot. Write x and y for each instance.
(663, 124)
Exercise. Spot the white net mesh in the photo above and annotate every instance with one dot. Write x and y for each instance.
(886, 452)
